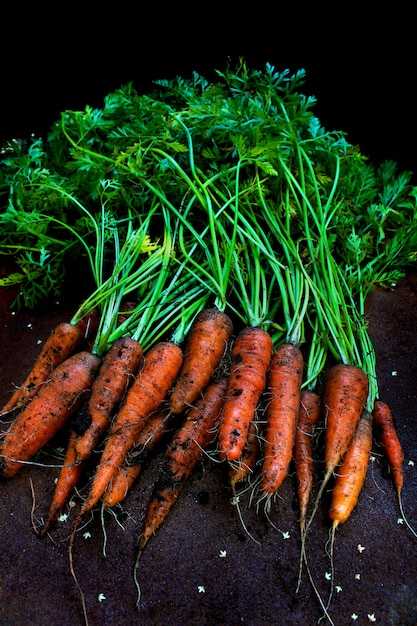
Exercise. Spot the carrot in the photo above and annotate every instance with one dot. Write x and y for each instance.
(57, 400)
(350, 478)
(182, 455)
(309, 415)
(160, 369)
(125, 475)
(67, 480)
(351, 473)
(310, 410)
(117, 371)
(206, 344)
(345, 393)
(61, 343)
(388, 437)
(251, 355)
(284, 386)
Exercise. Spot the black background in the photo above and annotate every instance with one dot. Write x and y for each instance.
(360, 62)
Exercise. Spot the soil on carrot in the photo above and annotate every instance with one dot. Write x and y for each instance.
(201, 567)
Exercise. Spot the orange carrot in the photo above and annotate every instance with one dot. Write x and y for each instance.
(62, 342)
(116, 373)
(387, 435)
(68, 478)
(310, 410)
(57, 400)
(155, 429)
(350, 478)
(181, 457)
(160, 369)
(284, 386)
(251, 355)
(351, 473)
(206, 344)
(344, 396)
(309, 415)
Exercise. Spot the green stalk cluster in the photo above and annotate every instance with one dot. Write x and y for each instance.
(228, 194)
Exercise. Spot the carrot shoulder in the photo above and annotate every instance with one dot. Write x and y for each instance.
(284, 389)
(205, 347)
(116, 373)
(251, 355)
(160, 369)
(61, 343)
(58, 399)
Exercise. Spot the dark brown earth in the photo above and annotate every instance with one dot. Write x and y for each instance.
(202, 568)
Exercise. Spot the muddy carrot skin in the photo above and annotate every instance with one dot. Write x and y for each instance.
(56, 402)
(206, 344)
(150, 388)
(155, 429)
(116, 373)
(251, 356)
(284, 389)
(61, 343)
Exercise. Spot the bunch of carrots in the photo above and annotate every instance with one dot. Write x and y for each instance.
(230, 319)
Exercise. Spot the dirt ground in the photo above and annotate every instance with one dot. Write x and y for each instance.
(202, 568)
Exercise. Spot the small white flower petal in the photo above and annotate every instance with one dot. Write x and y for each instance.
(101, 597)
(201, 589)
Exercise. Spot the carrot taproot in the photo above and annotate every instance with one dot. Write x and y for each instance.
(153, 432)
(61, 343)
(149, 389)
(310, 411)
(206, 344)
(250, 356)
(387, 435)
(119, 366)
(67, 480)
(57, 400)
(284, 388)
(182, 455)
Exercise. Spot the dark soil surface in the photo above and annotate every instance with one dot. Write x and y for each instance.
(202, 568)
